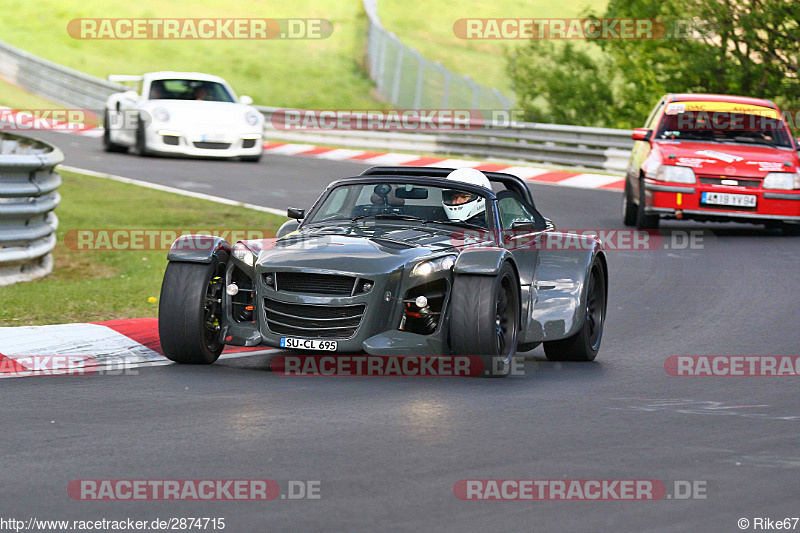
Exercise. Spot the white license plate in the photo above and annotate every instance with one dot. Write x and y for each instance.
(722, 198)
(212, 138)
(308, 344)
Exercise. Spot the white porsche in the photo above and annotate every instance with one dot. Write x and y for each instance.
(182, 113)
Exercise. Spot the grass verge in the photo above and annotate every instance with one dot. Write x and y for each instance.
(86, 285)
(429, 29)
(320, 73)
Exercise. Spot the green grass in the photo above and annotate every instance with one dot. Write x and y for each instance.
(101, 285)
(298, 73)
(428, 27)
(18, 98)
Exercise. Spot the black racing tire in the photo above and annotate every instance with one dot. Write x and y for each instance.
(790, 230)
(629, 210)
(251, 158)
(643, 220)
(484, 319)
(141, 140)
(189, 311)
(109, 146)
(584, 345)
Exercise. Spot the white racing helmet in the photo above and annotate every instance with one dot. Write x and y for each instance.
(461, 205)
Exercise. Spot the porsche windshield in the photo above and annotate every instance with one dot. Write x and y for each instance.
(209, 91)
(403, 201)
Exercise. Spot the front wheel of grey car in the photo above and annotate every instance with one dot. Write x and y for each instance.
(584, 345)
(190, 310)
(484, 319)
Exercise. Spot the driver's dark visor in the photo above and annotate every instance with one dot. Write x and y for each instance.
(456, 197)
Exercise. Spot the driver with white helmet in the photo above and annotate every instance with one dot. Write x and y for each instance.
(464, 206)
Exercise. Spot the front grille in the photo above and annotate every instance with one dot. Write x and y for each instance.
(327, 284)
(171, 140)
(314, 321)
(212, 146)
(741, 182)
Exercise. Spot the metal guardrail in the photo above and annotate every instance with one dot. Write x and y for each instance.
(55, 82)
(593, 148)
(410, 81)
(576, 146)
(28, 196)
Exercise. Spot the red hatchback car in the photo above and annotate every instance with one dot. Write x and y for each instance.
(712, 157)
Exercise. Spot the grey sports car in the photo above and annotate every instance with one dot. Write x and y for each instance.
(396, 261)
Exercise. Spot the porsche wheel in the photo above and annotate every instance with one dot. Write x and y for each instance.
(584, 345)
(189, 312)
(629, 211)
(643, 220)
(107, 144)
(141, 140)
(484, 319)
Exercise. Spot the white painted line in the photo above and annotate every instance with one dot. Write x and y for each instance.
(291, 149)
(340, 154)
(525, 172)
(588, 181)
(390, 160)
(182, 192)
(454, 163)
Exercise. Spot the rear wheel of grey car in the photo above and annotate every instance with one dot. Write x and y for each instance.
(107, 144)
(629, 210)
(190, 310)
(643, 220)
(584, 345)
(484, 319)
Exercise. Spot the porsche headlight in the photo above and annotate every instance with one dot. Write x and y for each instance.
(782, 180)
(161, 114)
(251, 117)
(675, 174)
(244, 254)
(426, 268)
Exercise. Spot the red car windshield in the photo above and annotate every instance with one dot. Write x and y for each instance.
(724, 126)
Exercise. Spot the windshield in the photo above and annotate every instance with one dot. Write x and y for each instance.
(209, 91)
(761, 126)
(403, 201)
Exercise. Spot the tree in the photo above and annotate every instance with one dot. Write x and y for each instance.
(744, 47)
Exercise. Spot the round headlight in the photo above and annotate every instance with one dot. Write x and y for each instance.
(251, 117)
(448, 262)
(161, 114)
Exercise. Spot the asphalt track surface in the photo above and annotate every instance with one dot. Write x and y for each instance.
(388, 451)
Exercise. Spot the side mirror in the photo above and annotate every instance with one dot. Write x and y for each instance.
(797, 143)
(523, 225)
(641, 134)
(246, 100)
(295, 213)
